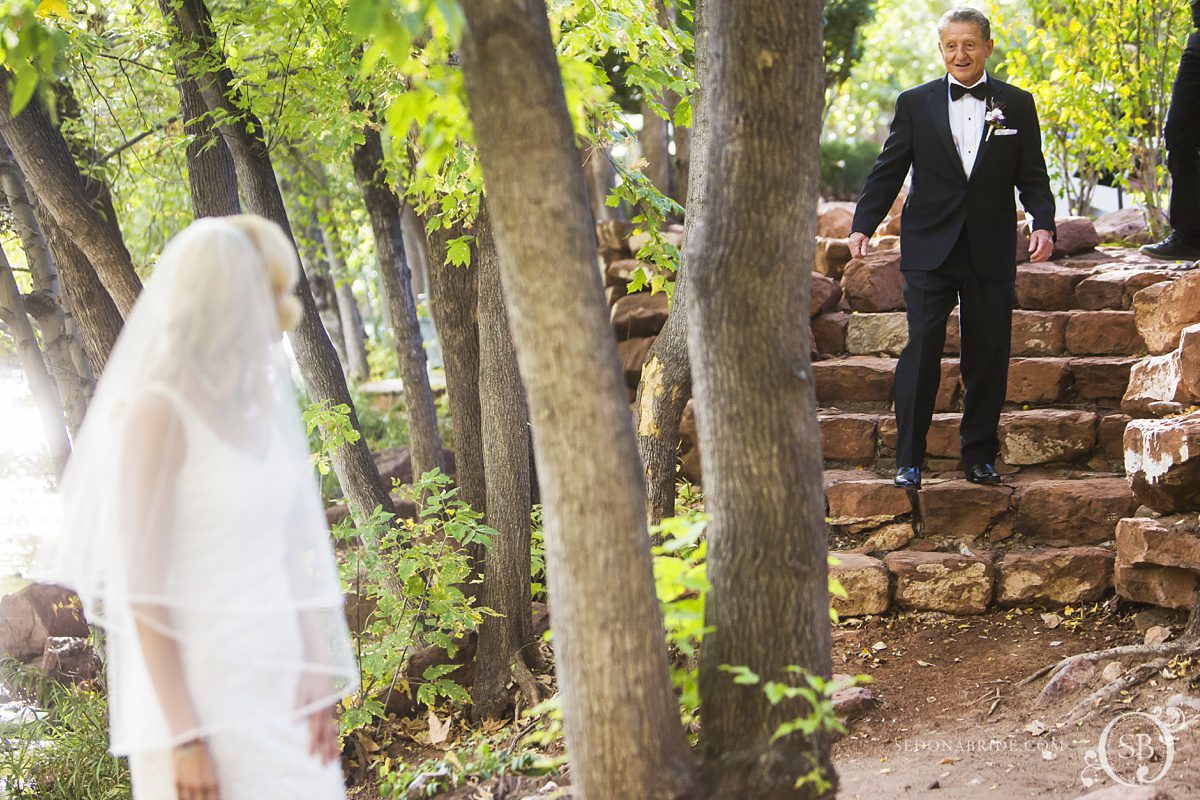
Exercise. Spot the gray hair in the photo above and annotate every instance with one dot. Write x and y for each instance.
(966, 14)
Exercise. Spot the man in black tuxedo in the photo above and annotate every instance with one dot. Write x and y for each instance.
(970, 140)
(1181, 135)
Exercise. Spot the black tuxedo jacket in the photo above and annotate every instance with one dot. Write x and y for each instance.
(943, 198)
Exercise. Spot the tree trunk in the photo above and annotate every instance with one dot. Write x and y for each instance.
(383, 207)
(453, 295)
(654, 141)
(60, 340)
(87, 300)
(600, 176)
(242, 132)
(504, 641)
(45, 396)
(320, 277)
(351, 320)
(666, 383)
(415, 251)
(46, 161)
(620, 713)
(211, 174)
(755, 402)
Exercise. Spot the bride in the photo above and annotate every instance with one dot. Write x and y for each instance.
(195, 537)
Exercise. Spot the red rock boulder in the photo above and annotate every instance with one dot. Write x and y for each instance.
(1163, 310)
(874, 283)
(1162, 461)
(35, 614)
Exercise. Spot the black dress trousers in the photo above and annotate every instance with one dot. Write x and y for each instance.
(1182, 138)
(985, 325)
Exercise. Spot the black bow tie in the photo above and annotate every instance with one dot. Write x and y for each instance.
(978, 91)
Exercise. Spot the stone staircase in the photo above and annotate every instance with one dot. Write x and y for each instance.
(1043, 538)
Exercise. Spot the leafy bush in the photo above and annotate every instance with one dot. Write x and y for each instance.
(428, 559)
(61, 752)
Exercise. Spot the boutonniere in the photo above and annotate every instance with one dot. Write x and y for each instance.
(994, 118)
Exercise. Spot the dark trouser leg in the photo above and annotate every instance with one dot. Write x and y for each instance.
(1182, 139)
(929, 297)
(985, 318)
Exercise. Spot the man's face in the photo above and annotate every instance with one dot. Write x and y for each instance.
(965, 51)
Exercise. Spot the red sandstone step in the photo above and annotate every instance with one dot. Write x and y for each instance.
(1103, 332)
(863, 383)
(962, 583)
(1063, 510)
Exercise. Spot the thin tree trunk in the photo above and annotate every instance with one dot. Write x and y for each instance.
(242, 132)
(211, 174)
(352, 324)
(600, 176)
(620, 713)
(504, 641)
(453, 296)
(45, 396)
(755, 404)
(654, 140)
(383, 207)
(415, 251)
(46, 161)
(61, 343)
(320, 277)
(87, 300)
(666, 383)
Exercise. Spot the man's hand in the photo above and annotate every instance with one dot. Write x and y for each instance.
(1041, 246)
(858, 245)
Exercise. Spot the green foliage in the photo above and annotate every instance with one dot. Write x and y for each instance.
(1100, 72)
(816, 694)
(844, 19)
(60, 753)
(845, 165)
(335, 428)
(681, 583)
(429, 558)
(31, 47)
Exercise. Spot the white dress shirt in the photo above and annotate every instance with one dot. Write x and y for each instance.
(966, 124)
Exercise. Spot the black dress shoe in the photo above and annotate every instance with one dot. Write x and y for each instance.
(908, 477)
(1175, 248)
(983, 473)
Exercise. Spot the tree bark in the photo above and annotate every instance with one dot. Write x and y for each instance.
(453, 300)
(46, 161)
(242, 132)
(41, 385)
(351, 320)
(87, 300)
(666, 383)
(620, 713)
(654, 141)
(755, 402)
(600, 176)
(211, 174)
(61, 343)
(506, 640)
(415, 251)
(383, 207)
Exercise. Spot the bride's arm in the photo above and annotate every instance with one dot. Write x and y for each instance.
(153, 452)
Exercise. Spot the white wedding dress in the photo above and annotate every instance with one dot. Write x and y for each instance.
(230, 563)
(194, 532)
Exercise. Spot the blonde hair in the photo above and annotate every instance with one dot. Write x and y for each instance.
(280, 263)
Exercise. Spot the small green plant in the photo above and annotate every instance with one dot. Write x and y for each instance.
(681, 582)
(60, 750)
(333, 428)
(429, 560)
(817, 694)
(485, 755)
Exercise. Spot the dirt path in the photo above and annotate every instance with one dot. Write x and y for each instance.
(937, 734)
